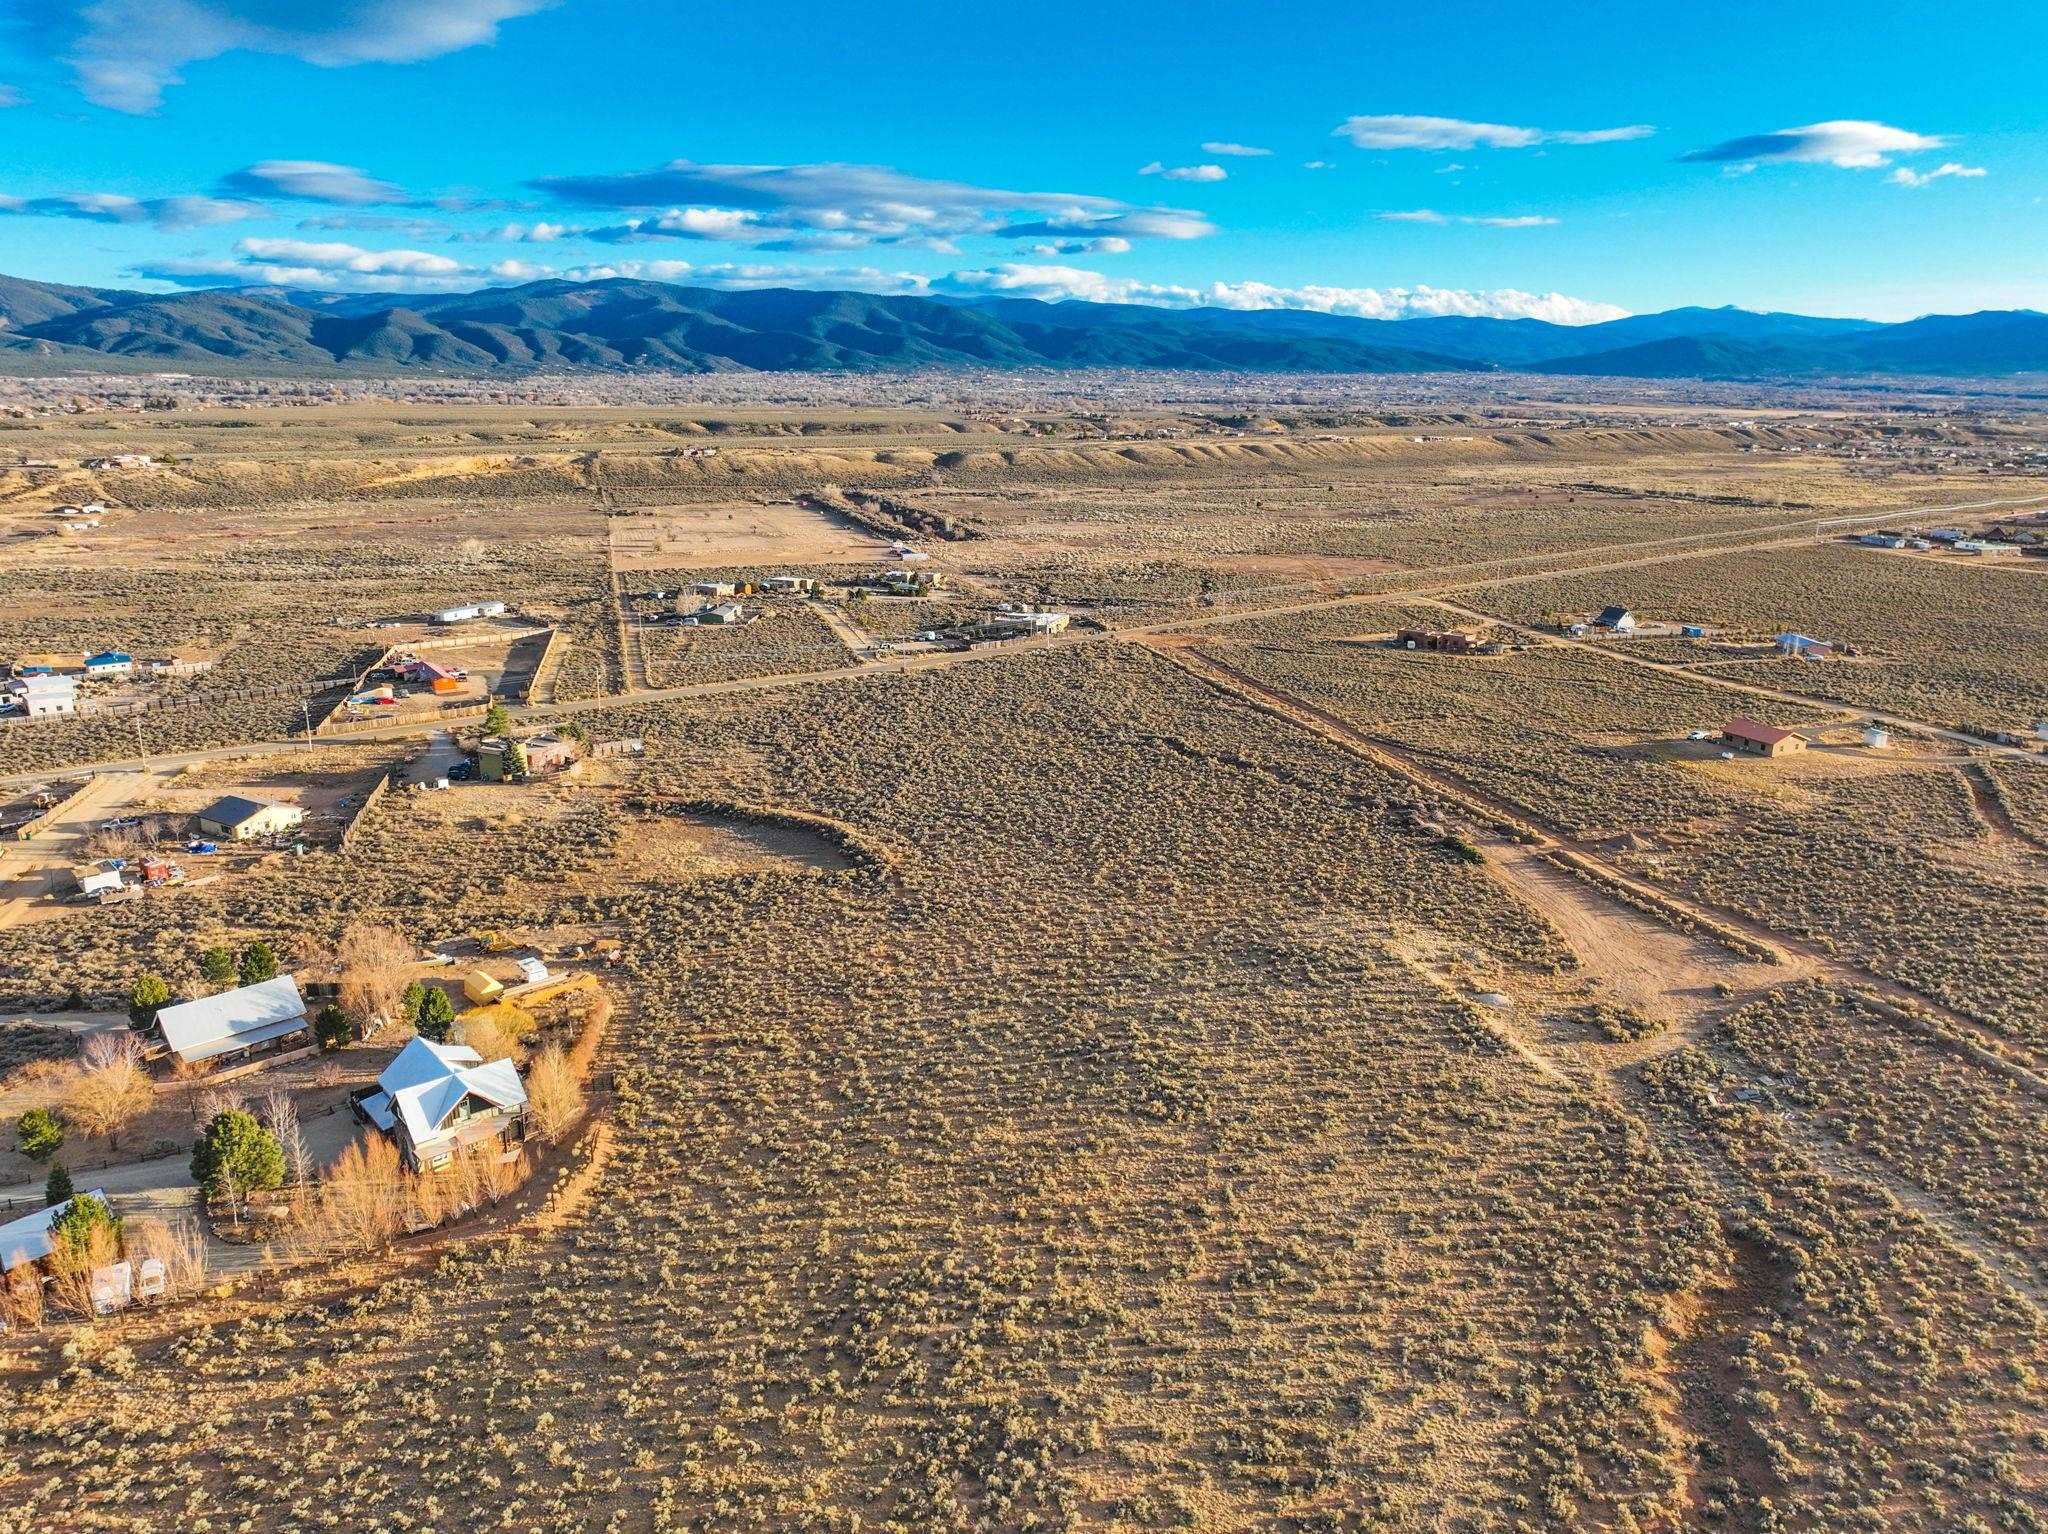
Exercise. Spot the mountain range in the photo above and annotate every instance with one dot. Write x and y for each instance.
(621, 324)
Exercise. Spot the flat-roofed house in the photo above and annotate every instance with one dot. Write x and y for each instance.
(44, 696)
(1753, 739)
(270, 1014)
(435, 1100)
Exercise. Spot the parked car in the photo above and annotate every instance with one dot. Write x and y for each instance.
(462, 772)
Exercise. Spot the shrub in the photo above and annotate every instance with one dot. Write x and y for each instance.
(237, 1156)
(40, 1134)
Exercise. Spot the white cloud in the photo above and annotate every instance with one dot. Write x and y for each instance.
(335, 255)
(1225, 147)
(1108, 245)
(114, 208)
(1619, 135)
(859, 204)
(312, 181)
(1057, 282)
(1905, 176)
(728, 274)
(1490, 221)
(1406, 132)
(1318, 165)
(10, 97)
(1848, 143)
(1184, 172)
(126, 52)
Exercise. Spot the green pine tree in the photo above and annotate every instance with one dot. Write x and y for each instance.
(237, 1155)
(259, 963)
(58, 1187)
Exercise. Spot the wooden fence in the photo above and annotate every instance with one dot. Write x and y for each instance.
(27, 830)
(370, 802)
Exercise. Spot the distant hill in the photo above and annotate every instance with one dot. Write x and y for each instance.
(622, 325)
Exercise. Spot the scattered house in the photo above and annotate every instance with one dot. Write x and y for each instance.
(119, 461)
(504, 760)
(244, 820)
(469, 611)
(480, 987)
(551, 753)
(437, 1099)
(45, 696)
(109, 663)
(907, 583)
(1746, 735)
(1616, 620)
(89, 509)
(725, 613)
(174, 665)
(1946, 534)
(82, 525)
(1882, 540)
(1803, 647)
(713, 590)
(803, 585)
(1876, 737)
(29, 1239)
(531, 971)
(269, 1015)
(1032, 623)
(1450, 641)
(435, 678)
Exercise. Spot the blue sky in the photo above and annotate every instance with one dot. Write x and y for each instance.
(1879, 158)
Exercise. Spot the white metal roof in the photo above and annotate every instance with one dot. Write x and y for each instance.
(250, 1014)
(28, 1238)
(423, 1108)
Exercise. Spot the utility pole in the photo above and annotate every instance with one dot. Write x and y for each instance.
(306, 714)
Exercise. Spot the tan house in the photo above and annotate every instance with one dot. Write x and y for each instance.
(1752, 739)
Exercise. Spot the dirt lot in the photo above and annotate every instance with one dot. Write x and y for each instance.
(737, 534)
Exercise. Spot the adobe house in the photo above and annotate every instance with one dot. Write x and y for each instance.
(1753, 739)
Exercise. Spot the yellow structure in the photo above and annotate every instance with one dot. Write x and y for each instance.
(480, 987)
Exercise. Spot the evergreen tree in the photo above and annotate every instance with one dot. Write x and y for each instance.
(217, 964)
(237, 1155)
(437, 1016)
(40, 1134)
(259, 963)
(149, 995)
(58, 1187)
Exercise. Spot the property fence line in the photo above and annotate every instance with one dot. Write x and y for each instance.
(27, 830)
(370, 802)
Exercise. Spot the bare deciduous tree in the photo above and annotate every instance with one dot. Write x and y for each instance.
(103, 1100)
(280, 1114)
(553, 1096)
(376, 963)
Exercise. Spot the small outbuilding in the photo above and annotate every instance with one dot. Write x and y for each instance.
(1616, 620)
(480, 987)
(1753, 739)
(109, 663)
(1803, 647)
(237, 1024)
(244, 820)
